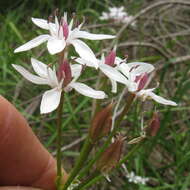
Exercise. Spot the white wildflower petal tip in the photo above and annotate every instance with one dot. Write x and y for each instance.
(87, 91)
(33, 43)
(39, 67)
(30, 77)
(83, 50)
(89, 36)
(50, 100)
(41, 23)
(161, 100)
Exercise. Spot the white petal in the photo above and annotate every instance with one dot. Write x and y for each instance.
(83, 50)
(87, 91)
(114, 86)
(39, 67)
(87, 63)
(27, 75)
(50, 100)
(87, 35)
(118, 60)
(55, 45)
(142, 68)
(161, 100)
(52, 77)
(112, 73)
(70, 25)
(41, 23)
(124, 68)
(76, 70)
(32, 43)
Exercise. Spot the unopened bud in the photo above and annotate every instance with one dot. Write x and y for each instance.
(110, 58)
(64, 72)
(111, 156)
(153, 126)
(101, 123)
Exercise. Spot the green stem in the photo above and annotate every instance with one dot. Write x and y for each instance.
(129, 101)
(59, 137)
(86, 181)
(87, 147)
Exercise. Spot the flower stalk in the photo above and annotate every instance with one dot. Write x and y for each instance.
(130, 99)
(86, 149)
(59, 142)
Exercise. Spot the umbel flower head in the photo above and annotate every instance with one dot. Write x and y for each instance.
(64, 79)
(135, 76)
(62, 34)
(117, 14)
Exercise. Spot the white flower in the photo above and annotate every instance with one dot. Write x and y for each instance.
(137, 179)
(137, 74)
(149, 94)
(134, 75)
(105, 65)
(118, 15)
(62, 35)
(48, 76)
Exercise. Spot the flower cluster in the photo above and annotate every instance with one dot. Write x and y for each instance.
(117, 14)
(133, 75)
(63, 76)
(59, 79)
(136, 179)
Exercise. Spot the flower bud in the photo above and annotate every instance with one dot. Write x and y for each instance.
(153, 126)
(111, 156)
(110, 58)
(101, 123)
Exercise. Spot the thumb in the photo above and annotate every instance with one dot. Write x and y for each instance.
(23, 161)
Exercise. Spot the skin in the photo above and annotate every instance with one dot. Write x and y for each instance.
(24, 162)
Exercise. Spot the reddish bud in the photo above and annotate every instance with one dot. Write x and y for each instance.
(110, 58)
(111, 156)
(153, 126)
(101, 123)
(142, 80)
(64, 72)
